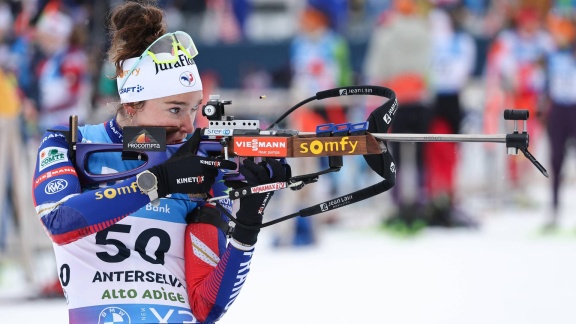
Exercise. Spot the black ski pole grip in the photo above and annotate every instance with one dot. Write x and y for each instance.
(516, 114)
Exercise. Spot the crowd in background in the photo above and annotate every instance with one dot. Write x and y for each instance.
(53, 65)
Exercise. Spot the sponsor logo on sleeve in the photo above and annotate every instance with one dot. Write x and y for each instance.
(111, 193)
(240, 279)
(52, 155)
(55, 186)
(53, 173)
(51, 135)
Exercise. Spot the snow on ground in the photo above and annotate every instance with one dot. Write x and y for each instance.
(505, 272)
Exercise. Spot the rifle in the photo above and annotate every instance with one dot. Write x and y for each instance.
(238, 139)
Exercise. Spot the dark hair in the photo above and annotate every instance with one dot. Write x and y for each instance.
(133, 27)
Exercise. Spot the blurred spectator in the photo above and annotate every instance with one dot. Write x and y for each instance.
(319, 55)
(453, 61)
(515, 79)
(319, 61)
(241, 10)
(24, 56)
(62, 75)
(487, 17)
(52, 68)
(375, 8)
(16, 220)
(9, 112)
(336, 12)
(398, 57)
(561, 90)
(221, 23)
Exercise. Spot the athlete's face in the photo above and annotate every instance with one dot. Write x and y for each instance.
(177, 113)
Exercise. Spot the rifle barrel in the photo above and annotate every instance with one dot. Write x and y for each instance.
(441, 137)
(392, 137)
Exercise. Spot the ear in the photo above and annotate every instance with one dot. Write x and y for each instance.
(129, 108)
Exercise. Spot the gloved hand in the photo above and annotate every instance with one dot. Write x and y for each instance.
(188, 173)
(252, 207)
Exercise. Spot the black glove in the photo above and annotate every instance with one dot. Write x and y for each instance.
(252, 207)
(188, 173)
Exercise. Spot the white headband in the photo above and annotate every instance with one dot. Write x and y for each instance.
(151, 80)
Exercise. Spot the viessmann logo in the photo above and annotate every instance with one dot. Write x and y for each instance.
(60, 171)
(255, 144)
(265, 146)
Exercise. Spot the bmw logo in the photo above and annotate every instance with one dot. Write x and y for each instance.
(113, 315)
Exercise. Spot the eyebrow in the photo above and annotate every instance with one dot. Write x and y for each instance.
(180, 103)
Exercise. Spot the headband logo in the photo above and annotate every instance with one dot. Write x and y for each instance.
(187, 79)
(137, 88)
(343, 92)
(183, 60)
(125, 72)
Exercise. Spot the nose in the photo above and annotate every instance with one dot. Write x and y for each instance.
(186, 125)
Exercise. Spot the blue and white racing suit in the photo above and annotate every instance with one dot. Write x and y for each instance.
(122, 260)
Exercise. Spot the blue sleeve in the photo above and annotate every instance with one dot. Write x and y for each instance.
(66, 212)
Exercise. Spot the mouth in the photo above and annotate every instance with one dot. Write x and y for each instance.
(173, 135)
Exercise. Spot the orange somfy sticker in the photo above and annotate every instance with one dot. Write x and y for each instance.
(261, 146)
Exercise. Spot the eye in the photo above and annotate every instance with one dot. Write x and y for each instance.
(175, 110)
